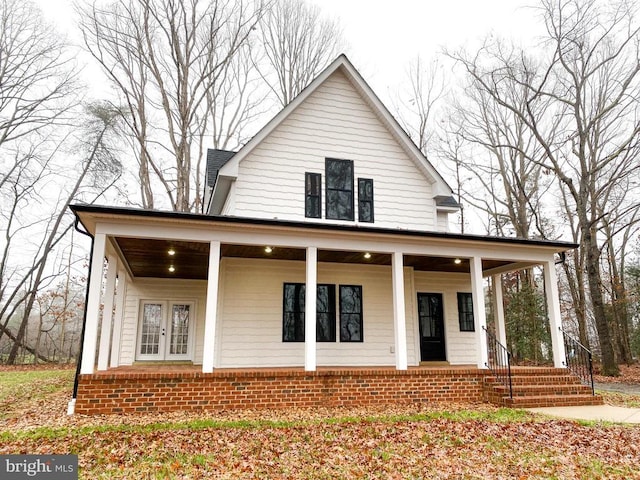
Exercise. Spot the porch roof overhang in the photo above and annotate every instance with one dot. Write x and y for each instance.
(143, 236)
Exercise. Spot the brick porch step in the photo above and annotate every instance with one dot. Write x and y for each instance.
(548, 387)
(520, 390)
(553, 401)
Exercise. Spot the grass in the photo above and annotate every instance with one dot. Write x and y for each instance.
(16, 386)
(395, 442)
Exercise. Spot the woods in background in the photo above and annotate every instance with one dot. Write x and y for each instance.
(539, 142)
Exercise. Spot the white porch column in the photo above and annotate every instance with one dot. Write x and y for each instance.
(92, 312)
(118, 316)
(107, 312)
(211, 313)
(498, 309)
(479, 313)
(399, 320)
(310, 310)
(553, 311)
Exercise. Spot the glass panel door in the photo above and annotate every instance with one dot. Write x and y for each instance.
(179, 330)
(151, 343)
(431, 323)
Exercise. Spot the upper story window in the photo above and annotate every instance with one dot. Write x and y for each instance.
(313, 195)
(365, 200)
(339, 195)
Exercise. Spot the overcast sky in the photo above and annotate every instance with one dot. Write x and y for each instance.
(384, 35)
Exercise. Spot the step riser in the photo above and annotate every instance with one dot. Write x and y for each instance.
(530, 390)
(537, 380)
(568, 402)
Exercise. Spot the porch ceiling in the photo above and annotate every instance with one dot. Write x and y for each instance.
(151, 258)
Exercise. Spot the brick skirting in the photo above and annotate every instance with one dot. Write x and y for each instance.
(107, 393)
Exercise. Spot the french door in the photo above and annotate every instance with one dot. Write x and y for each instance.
(166, 330)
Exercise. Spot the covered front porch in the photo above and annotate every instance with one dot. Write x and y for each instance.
(224, 277)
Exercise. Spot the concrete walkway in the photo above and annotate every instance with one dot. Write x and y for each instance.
(607, 413)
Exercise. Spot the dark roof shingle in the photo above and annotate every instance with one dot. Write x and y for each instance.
(216, 159)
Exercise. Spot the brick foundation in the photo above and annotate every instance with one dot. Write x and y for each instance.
(107, 393)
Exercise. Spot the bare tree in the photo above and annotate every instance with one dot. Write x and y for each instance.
(166, 59)
(415, 106)
(237, 99)
(37, 99)
(97, 169)
(499, 160)
(36, 77)
(298, 42)
(589, 135)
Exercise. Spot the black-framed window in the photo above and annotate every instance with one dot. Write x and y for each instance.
(465, 312)
(293, 313)
(351, 313)
(313, 195)
(365, 199)
(339, 189)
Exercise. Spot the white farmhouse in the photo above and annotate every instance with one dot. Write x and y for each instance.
(213, 310)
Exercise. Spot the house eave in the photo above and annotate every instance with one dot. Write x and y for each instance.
(448, 209)
(220, 194)
(88, 215)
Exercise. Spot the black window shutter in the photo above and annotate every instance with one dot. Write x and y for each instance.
(365, 200)
(313, 195)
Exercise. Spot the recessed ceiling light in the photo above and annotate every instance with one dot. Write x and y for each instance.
(171, 252)
(367, 255)
(172, 268)
(268, 249)
(457, 261)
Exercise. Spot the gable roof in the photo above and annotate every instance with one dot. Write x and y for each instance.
(229, 171)
(216, 159)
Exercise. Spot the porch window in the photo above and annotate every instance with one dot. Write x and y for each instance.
(465, 312)
(313, 195)
(365, 200)
(351, 313)
(293, 313)
(339, 186)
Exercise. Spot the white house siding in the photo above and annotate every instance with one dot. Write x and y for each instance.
(250, 324)
(443, 221)
(161, 290)
(460, 346)
(334, 122)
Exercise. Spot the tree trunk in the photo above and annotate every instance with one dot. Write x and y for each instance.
(609, 365)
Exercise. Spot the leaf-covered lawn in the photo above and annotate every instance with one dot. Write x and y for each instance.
(438, 441)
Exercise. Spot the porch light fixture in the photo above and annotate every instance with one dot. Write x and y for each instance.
(367, 255)
(172, 268)
(171, 252)
(457, 261)
(268, 249)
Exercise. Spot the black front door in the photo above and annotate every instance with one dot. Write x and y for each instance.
(431, 320)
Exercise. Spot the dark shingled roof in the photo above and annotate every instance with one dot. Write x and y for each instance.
(215, 161)
(446, 201)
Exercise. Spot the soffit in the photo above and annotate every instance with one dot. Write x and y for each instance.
(150, 258)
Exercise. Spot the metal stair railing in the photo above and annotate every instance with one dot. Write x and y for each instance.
(579, 360)
(499, 360)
